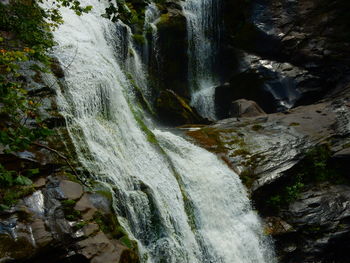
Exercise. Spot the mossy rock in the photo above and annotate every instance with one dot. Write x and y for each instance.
(173, 46)
(19, 249)
(175, 110)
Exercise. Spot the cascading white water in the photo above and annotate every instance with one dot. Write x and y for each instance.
(178, 201)
(152, 15)
(203, 38)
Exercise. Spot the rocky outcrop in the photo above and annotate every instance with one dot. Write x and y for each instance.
(296, 49)
(175, 110)
(276, 141)
(245, 108)
(295, 165)
(58, 217)
(172, 43)
(315, 227)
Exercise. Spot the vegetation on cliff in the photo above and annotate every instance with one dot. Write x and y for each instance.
(25, 38)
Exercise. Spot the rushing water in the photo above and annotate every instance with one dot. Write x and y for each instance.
(203, 37)
(152, 15)
(178, 201)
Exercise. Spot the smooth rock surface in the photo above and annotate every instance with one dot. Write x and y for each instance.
(245, 108)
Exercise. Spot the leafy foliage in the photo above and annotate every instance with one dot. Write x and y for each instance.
(25, 37)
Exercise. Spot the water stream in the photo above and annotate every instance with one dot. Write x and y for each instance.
(178, 201)
(203, 36)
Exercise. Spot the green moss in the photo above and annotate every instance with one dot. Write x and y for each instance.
(12, 195)
(257, 127)
(132, 13)
(315, 168)
(242, 152)
(141, 99)
(347, 145)
(294, 124)
(68, 202)
(71, 177)
(127, 242)
(191, 218)
(248, 177)
(109, 224)
(20, 248)
(80, 225)
(139, 39)
(287, 195)
(69, 212)
(105, 193)
(164, 19)
(149, 134)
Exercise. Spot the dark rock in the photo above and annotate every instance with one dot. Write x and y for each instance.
(37, 226)
(320, 222)
(175, 110)
(276, 142)
(341, 160)
(343, 154)
(246, 85)
(56, 68)
(172, 43)
(309, 36)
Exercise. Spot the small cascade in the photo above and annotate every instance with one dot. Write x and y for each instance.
(178, 201)
(150, 48)
(203, 37)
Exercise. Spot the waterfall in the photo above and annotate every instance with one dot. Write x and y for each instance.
(178, 201)
(203, 37)
(152, 15)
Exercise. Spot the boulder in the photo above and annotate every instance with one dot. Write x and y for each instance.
(245, 108)
(71, 190)
(175, 110)
(171, 70)
(99, 249)
(245, 85)
(85, 206)
(38, 226)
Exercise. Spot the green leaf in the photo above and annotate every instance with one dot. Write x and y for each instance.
(22, 180)
(3, 207)
(33, 171)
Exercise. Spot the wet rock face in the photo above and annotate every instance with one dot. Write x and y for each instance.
(298, 49)
(58, 220)
(272, 155)
(317, 226)
(175, 110)
(271, 144)
(245, 108)
(173, 45)
(55, 219)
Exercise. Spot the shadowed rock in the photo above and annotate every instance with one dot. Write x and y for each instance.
(245, 108)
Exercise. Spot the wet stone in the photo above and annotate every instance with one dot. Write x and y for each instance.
(71, 190)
